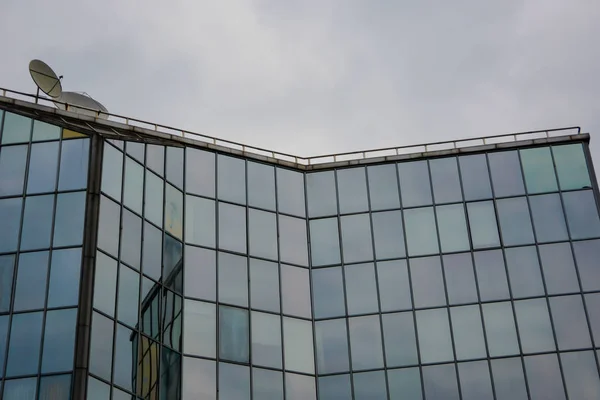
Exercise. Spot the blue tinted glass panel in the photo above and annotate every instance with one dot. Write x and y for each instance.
(70, 214)
(475, 381)
(232, 227)
(509, 379)
(16, 129)
(421, 234)
(231, 179)
(295, 285)
(200, 224)
(233, 279)
(233, 334)
(515, 222)
(491, 275)
(20, 389)
(153, 206)
(200, 172)
(30, 292)
(399, 339)
(262, 229)
(394, 287)
(175, 166)
(445, 181)
(361, 289)
(108, 226)
(325, 245)
(468, 332)
(328, 292)
(581, 375)
(37, 222)
(370, 386)
(587, 254)
(267, 384)
(434, 336)
(320, 193)
(548, 218)
(336, 387)
(440, 382)
(44, 131)
(543, 377)
(112, 172)
(582, 214)
(332, 346)
(264, 285)
(534, 325)
(74, 157)
(63, 287)
(352, 190)
(559, 268)
(24, 345)
(475, 177)
(524, 272)
(365, 342)
(234, 382)
(460, 278)
(388, 235)
(10, 215)
(500, 329)
(570, 324)
(4, 323)
(452, 227)
(105, 284)
(261, 186)
(174, 211)
(538, 169)
(7, 270)
(507, 178)
(133, 189)
(356, 238)
(266, 340)
(293, 247)
(59, 386)
(290, 192)
(131, 239)
(383, 187)
(129, 297)
(199, 379)
(200, 273)
(12, 169)
(427, 281)
(59, 340)
(482, 221)
(571, 166)
(405, 384)
(414, 183)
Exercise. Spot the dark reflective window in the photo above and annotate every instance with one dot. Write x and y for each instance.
(587, 254)
(475, 177)
(131, 239)
(129, 296)
(570, 323)
(383, 187)
(70, 214)
(421, 234)
(535, 329)
(108, 226)
(30, 291)
(233, 334)
(460, 279)
(365, 342)
(405, 384)
(325, 245)
(515, 222)
(16, 129)
(475, 381)
(200, 172)
(44, 131)
(4, 322)
(290, 192)
(12, 169)
(43, 167)
(200, 328)
(335, 387)
(500, 329)
(262, 228)
(152, 250)
(356, 238)
(524, 272)
(20, 389)
(559, 269)
(538, 169)
(434, 336)
(399, 339)
(506, 173)
(174, 212)
(388, 235)
(234, 382)
(10, 215)
(233, 279)
(155, 158)
(332, 346)
(298, 349)
(293, 247)
(509, 379)
(571, 166)
(440, 382)
(175, 166)
(543, 377)
(491, 275)
(468, 332)
(267, 384)
(125, 347)
(414, 183)
(261, 185)
(352, 190)
(153, 207)
(231, 179)
(361, 289)
(582, 214)
(394, 286)
(112, 172)
(328, 292)
(444, 177)
(232, 227)
(59, 340)
(295, 286)
(264, 285)
(24, 345)
(581, 375)
(59, 386)
(37, 222)
(266, 339)
(199, 379)
(105, 284)
(427, 282)
(370, 386)
(452, 226)
(200, 273)
(320, 193)
(133, 189)
(300, 387)
(200, 224)
(7, 268)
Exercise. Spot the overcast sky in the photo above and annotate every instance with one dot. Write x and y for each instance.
(312, 77)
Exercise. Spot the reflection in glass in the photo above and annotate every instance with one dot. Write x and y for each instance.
(233, 279)
(468, 332)
(500, 329)
(290, 192)
(506, 173)
(300, 387)
(105, 284)
(20, 389)
(587, 254)
(365, 342)
(97, 390)
(475, 381)
(175, 166)
(434, 336)
(231, 179)
(16, 129)
(509, 379)
(352, 190)
(30, 290)
(559, 268)
(491, 275)
(4, 322)
(261, 185)
(112, 171)
(440, 382)
(332, 346)
(44, 131)
(515, 222)
(460, 279)
(548, 218)
(399, 339)
(421, 232)
(356, 238)
(581, 375)
(262, 228)
(108, 226)
(131, 239)
(10, 215)
(70, 215)
(320, 193)
(13, 160)
(152, 251)
(535, 329)
(524, 271)
(335, 387)
(405, 384)
(388, 234)
(267, 384)
(266, 340)
(328, 292)
(571, 166)
(475, 177)
(394, 286)
(153, 206)
(427, 282)
(59, 340)
(570, 325)
(233, 334)
(129, 297)
(582, 214)
(452, 227)
(298, 345)
(293, 247)
(232, 227)
(324, 238)
(295, 284)
(199, 379)
(59, 386)
(200, 273)
(136, 150)
(543, 377)
(414, 183)
(200, 224)
(43, 167)
(174, 212)
(200, 172)
(24, 345)
(383, 187)
(361, 289)
(538, 169)
(234, 382)
(37, 222)
(200, 328)
(7, 268)
(444, 178)
(133, 189)
(264, 285)
(172, 263)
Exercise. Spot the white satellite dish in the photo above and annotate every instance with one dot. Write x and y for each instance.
(45, 78)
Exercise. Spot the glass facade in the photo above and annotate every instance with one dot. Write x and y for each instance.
(472, 276)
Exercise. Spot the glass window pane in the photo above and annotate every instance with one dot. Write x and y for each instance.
(356, 238)
(460, 279)
(200, 224)
(20, 389)
(133, 189)
(320, 193)
(43, 167)
(152, 251)
(328, 292)
(405, 384)
(125, 347)
(199, 379)
(524, 272)
(332, 346)
(4, 322)
(399, 338)
(234, 382)
(535, 329)
(70, 215)
(200, 273)
(290, 192)
(509, 379)
(264, 285)
(129, 296)
(172, 263)
(559, 268)
(261, 185)
(582, 214)
(414, 183)
(24, 344)
(515, 222)
(475, 177)
(453, 228)
(491, 275)
(370, 386)
(266, 384)
(30, 291)
(500, 329)
(112, 171)
(587, 254)
(59, 341)
(262, 227)
(231, 179)
(548, 218)
(13, 160)
(59, 386)
(155, 158)
(233, 334)
(394, 286)
(383, 187)
(7, 269)
(571, 166)
(108, 226)
(440, 382)
(44, 131)
(427, 282)
(174, 212)
(444, 178)
(298, 345)
(232, 227)
(37, 222)
(543, 377)
(266, 340)
(468, 332)
(335, 387)
(105, 284)
(153, 206)
(475, 381)
(200, 172)
(581, 375)
(200, 328)
(175, 166)
(233, 279)
(361, 289)
(97, 390)
(10, 215)
(16, 129)
(365, 342)
(352, 190)
(295, 285)
(421, 232)
(293, 247)
(570, 323)
(592, 302)
(136, 150)
(538, 169)
(434, 336)
(388, 235)
(506, 173)
(325, 244)
(300, 387)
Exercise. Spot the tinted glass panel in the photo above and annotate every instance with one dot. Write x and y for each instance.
(44, 131)
(59, 386)
(538, 169)
(296, 288)
(399, 339)
(383, 187)
(582, 214)
(453, 228)
(559, 269)
(290, 192)
(535, 329)
(460, 279)
(43, 167)
(328, 292)
(231, 179)
(199, 379)
(105, 284)
(200, 172)
(131, 239)
(16, 129)
(506, 173)
(421, 234)
(548, 218)
(515, 222)
(543, 377)
(394, 287)
(570, 323)
(440, 382)
(427, 281)
(320, 194)
(24, 345)
(123, 365)
(332, 346)
(500, 329)
(587, 255)
(175, 166)
(581, 375)
(37, 222)
(12, 169)
(20, 389)
(414, 183)
(356, 238)
(388, 235)
(234, 382)
(370, 385)
(112, 171)
(293, 247)
(361, 289)
(174, 212)
(404, 384)
(352, 190)
(30, 291)
(300, 387)
(267, 384)
(7, 269)
(261, 185)
(491, 275)
(10, 215)
(468, 332)
(129, 296)
(571, 166)
(482, 221)
(233, 334)
(200, 224)
(365, 342)
(200, 273)
(475, 177)
(336, 387)
(262, 227)
(298, 345)
(509, 379)
(266, 340)
(59, 340)
(264, 285)
(232, 227)
(444, 177)
(154, 199)
(136, 150)
(200, 328)
(475, 381)
(152, 251)
(325, 245)
(233, 279)
(524, 272)
(133, 189)
(155, 158)
(97, 390)
(4, 322)
(434, 336)
(70, 214)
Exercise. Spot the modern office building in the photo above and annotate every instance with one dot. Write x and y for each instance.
(142, 262)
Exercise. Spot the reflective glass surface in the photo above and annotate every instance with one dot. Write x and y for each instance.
(383, 187)
(231, 179)
(43, 168)
(356, 238)
(321, 194)
(361, 289)
(16, 128)
(290, 192)
(365, 342)
(421, 234)
(399, 339)
(394, 286)
(414, 183)
(538, 169)
(13, 161)
(388, 235)
(232, 227)
(328, 292)
(507, 178)
(482, 223)
(440, 382)
(452, 227)
(352, 190)
(200, 222)
(582, 214)
(475, 177)
(199, 172)
(332, 346)
(434, 336)
(571, 166)
(445, 181)
(153, 208)
(325, 243)
(261, 186)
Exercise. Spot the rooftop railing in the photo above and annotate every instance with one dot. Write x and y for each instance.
(313, 160)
